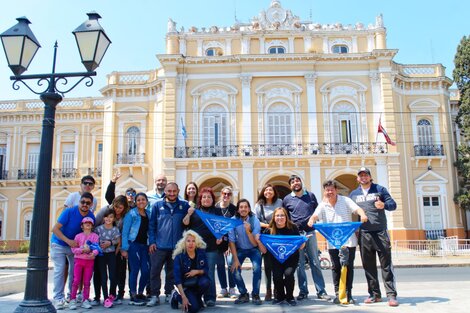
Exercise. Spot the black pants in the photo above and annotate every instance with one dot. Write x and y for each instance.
(371, 245)
(283, 277)
(268, 269)
(194, 294)
(107, 267)
(336, 269)
(121, 269)
(97, 280)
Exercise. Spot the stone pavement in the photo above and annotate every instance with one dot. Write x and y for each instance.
(425, 296)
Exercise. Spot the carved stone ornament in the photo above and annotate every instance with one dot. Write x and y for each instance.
(278, 92)
(343, 91)
(214, 94)
(275, 17)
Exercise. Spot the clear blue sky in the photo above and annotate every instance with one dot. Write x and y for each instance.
(423, 31)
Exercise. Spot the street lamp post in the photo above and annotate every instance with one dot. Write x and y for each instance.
(20, 46)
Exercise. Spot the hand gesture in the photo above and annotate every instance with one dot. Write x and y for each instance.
(247, 227)
(116, 176)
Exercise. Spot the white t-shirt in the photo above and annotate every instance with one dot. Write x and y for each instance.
(340, 213)
(74, 198)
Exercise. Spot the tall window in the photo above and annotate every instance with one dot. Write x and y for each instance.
(99, 161)
(345, 123)
(1, 224)
(32, 161)
(277, 50)
(68, 156)
(433, 217)
(425, 133)
(339, 49)
(27, 225)
(133, 140)
(214, 126)
(279, 126)
(3, 162)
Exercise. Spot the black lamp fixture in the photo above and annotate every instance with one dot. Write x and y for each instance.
(20, 47)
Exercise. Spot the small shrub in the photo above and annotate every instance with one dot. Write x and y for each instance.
(24, 247)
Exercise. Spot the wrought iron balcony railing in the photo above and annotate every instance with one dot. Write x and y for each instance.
(429, 150)
(435, 234)
(27, 174)
(280, 149)
(3, 175)
(64, 173)
(125, 158)
(95, 172)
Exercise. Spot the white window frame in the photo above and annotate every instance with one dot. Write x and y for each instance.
(215, 125)
(27, 222)
(425, 132)
(133, 139)
(283, 132)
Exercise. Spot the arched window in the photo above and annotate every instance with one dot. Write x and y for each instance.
(277, 50)
(214, 126)
(425, 133)
(213, 52)
(279, 124)
(345, 123)
(133, 140)
(28, 217)
(339, 49)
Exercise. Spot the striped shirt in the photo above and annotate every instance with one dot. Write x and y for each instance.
(340, 213)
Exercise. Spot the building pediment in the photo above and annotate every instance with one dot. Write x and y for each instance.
(431, 177)
(27, 196)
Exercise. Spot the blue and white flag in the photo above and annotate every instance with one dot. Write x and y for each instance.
(282, 246)
(183, 130)
(218, 225)
(337, 233)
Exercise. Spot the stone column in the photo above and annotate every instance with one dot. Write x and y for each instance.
(246, 108)
(181, 81)
(248, 189)
(310, 79)
(315, 179)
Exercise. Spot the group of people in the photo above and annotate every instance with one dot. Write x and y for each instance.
(157, 231)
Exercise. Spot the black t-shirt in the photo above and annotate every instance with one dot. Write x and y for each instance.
(142, 235)
(198, 225)
(294, 258)
(227, 212)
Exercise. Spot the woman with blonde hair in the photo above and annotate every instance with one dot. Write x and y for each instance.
(190, 270)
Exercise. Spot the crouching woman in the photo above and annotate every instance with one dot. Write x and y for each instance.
(190, 269)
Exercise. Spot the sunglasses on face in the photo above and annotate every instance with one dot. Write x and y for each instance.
(85, 202)
(130, 193)
(88, 183)
(226, 193)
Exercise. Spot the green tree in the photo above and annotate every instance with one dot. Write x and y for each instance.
(461, 77)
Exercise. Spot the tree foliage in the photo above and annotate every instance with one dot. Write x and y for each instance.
(461, 77)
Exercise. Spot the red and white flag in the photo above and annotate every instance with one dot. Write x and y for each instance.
(382, 130)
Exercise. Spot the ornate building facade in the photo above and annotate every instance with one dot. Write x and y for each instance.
(249, 104)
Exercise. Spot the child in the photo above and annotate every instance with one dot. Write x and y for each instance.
(84, 262)
(109, 237)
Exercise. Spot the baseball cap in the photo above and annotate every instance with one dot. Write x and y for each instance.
(364, 170)
(88, 220)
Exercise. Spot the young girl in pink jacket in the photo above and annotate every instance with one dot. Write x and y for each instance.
(84, 263)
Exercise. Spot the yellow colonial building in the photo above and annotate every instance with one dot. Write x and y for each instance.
(248, 104)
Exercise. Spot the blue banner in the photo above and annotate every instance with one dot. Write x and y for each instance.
(282, 246)
(337, 233)
(218, 225)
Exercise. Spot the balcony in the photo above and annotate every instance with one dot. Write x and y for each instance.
(95, 172)
(27, 174)
(124, 158)
(429, 150)
(262, 150)
(3, 175)
(64, 173)
(435, 234)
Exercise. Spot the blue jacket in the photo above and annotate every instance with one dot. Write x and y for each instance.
(377, 218)
(166, 223)
(182, 265)
(131, 226)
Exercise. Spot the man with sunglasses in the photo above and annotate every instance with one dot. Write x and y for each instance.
(63, 233)
(87, 185)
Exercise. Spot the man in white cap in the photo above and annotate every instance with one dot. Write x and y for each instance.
(373, 236)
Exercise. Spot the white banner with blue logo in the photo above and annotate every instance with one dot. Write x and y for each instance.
(337, 233)
(282, 246)
(218, 225)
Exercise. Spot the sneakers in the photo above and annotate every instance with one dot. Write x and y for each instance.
(72, 304)
(59, 304)
(154, 300)
(256, 300)
(373, 299)
(324, 296)
(95, 302)
(302, 296)
(392, 301)
(174, 300)
(243, 298)
(109, 302)
(232, 293)
(86, 304)
(292, 302)
(167, 298)
(118, 301)
(223, 293)
(135, 300)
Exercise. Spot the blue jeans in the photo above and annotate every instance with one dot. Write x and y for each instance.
(255, 256)
(138, 256)
(212, 257)
(311, 248)
(58, 255)
(221, 272)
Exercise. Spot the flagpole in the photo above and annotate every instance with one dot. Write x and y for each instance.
(377, 133)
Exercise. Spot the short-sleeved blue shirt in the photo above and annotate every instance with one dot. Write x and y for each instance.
(71, 221)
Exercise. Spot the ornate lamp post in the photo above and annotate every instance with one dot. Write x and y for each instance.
(20, 46)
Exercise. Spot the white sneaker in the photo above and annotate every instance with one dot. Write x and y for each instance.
(86, 304)
(59, 304)
(223, 293)
(72, 304)
(233, 293)
(79, 297)
(154, 300)
(95, 302)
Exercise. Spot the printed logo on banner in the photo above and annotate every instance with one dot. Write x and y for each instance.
(337, 233)
(282, 246)
(218, 225)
